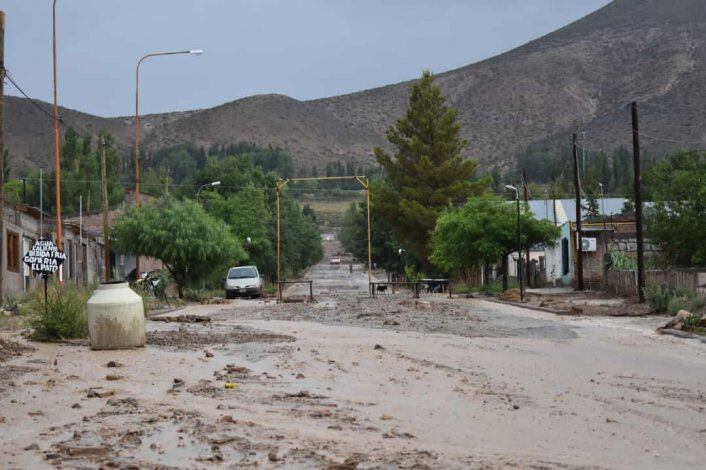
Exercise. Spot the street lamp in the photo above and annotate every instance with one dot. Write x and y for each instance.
(207, 185)
(137, 126)
(406, 258)
(519, 235)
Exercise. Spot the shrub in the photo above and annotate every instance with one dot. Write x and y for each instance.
(664, 300)
(694, 322)
(64, 316)
(677, 303)
(698, 302)
(657, 297)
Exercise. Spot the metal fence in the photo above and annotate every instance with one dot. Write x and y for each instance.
(624, 283)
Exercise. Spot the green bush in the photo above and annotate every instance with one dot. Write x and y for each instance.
(490, 288)
(269, 290)
(664, 300)
(678, 303)
(657, 297)
(698, 302)
(694, 323)
(64, 316)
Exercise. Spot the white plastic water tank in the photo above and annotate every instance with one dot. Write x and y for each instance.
(116, 317)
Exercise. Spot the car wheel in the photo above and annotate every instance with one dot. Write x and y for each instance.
(229, 295)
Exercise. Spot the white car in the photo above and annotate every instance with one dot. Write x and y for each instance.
(243, 281)
(334, 260)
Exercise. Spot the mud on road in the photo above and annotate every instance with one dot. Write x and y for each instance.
(399, 312)
(353, 382)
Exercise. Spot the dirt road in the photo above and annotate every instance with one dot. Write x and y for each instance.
(355, 382)
(332, 279)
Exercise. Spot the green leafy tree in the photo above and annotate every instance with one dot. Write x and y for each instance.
(384, 247)
(190, 243)
(484, 231)
(248, 208)
(426, 173)
(677, 220)
(247, 215)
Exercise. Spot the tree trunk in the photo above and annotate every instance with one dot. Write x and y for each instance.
(180, 288)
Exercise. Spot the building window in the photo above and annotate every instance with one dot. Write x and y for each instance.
(13, 252)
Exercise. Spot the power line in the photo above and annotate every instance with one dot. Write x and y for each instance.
(34, 103)
(664, 139)
(31, 100)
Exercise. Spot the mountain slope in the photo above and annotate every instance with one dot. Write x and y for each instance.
(580, 77)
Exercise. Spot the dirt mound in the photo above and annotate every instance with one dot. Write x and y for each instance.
(10, 349)
(188, 339)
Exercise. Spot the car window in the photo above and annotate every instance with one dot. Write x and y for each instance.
(242, 273)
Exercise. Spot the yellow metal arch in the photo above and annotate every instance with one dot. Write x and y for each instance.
(364, 182)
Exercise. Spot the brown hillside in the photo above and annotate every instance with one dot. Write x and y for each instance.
(580, 77)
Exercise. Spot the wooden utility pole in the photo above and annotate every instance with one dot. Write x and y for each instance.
(2, 154)
(638, 205)
(578, 240)
(106, 229)
(528, 274)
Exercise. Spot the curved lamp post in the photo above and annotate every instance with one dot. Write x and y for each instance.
(207, 185)
(137, 124)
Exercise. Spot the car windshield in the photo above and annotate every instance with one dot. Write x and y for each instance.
(242, 273)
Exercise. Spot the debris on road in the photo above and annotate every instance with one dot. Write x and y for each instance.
(99, 392)
(184, 318)
(679, 321)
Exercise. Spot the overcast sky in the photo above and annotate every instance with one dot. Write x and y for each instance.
(304, 48)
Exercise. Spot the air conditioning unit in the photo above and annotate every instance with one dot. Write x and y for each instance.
(588, 244)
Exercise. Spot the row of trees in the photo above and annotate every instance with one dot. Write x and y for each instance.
(80, 178)
(552, 171)
(233, 224)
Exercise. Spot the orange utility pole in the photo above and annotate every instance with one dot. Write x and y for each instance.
(57, 169)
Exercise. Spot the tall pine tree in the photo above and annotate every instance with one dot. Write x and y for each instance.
(426, 174)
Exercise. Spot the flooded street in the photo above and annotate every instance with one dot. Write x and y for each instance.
(355, 382)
